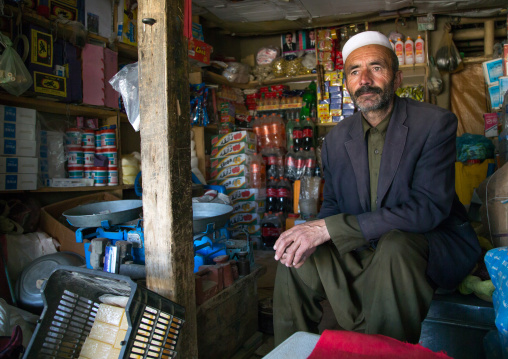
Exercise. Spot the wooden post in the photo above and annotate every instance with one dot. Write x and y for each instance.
(165, 158)
(488, 44)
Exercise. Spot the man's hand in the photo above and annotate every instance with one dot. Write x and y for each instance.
(295, 245)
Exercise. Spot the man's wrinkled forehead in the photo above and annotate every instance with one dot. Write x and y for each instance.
(383, 58)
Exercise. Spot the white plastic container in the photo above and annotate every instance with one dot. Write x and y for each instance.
(409, 52)
(399, 51)
(391, 43)
(419, 50)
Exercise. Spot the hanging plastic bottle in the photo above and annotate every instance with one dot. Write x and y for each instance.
(299, 164)
(310, 163)
(290, 170)
(271, 228)
(419, 50)
(399, 51)
(409, 52)
(289, 130)
(271, 195)
(308, 134)
(266, 131)
(257, 173)
(297, 136)
(284, 196)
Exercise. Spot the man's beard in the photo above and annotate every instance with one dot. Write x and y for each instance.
(382, 103)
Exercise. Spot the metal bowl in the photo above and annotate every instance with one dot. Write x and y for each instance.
(116, 212)
(206, 213)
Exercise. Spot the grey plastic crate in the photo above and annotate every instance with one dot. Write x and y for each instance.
(71, 299)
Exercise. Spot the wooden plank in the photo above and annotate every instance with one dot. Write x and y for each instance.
(165, 153)
(199, 139)
(44, 105)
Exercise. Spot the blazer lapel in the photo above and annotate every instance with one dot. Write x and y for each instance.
(393, 148)
(357, 151)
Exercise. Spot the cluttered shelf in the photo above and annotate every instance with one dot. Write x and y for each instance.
(45, 105)
(418, 70)
(66, 31)
(73, 189)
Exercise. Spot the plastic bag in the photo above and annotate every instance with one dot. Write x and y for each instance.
(14, 76)
(126, 82)
(266, 55)
(237, 72)
(474, 147)
(434, 81)
(448, 57)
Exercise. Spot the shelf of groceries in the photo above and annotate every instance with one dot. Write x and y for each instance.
(418, 70)
(29, 15)
(51, 106)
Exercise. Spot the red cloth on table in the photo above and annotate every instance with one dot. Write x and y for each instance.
(342, 344)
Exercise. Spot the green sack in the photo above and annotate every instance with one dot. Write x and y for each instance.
(14, 76)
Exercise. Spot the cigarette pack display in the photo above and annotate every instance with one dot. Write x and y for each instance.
(17, 130)
(18, 114)
(19, 165)
(12, 147)
(18, 181)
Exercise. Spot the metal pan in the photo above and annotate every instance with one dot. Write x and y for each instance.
(116, 212)
(205, 213)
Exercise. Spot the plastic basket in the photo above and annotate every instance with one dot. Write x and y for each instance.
(71, 299)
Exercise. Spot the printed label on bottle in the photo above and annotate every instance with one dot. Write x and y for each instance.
(271, 160)
(409, 50)
(271, 192)
(307, 132)
(270, 232)
(297, 134)
(290, 161)
(283, 192)
(311, 163)
(299, 163)
(398, 49)
(419, 48)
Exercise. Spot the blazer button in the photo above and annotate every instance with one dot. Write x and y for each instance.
(376, 152)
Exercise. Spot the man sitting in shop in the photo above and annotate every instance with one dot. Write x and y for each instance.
(391, 228)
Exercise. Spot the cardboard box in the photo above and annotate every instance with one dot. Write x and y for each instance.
(12, 147)
(234, 149)
(233, 137)
(53, 223)
(253, 230)
(492, 71)
(232, 183)
(228, 161)
(248, 194)
(17, 131)
(199, 52)
(227, 172)
(18, 181)
(245, 219)
(490, 124)
(19, 165)
(18, 114)
(245, 207)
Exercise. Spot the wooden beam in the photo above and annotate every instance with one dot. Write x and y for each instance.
(165, 158)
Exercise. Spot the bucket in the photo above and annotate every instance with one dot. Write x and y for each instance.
(89, 154)
(108, 138)
(112, 176)
(98, 139)
(88, 172)
(75, 171)
(88, 138)
(111, 154)
(100, 176)
(73, 137)
(75, 155)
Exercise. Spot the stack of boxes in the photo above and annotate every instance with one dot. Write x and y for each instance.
(18, 162)
(335, 103)
(231, 158)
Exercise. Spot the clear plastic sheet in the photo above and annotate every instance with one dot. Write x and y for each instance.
(126, 82)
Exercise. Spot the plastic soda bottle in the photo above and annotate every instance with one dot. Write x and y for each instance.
(271, 195)
(419, 50)
(297, 136)
(257, 172)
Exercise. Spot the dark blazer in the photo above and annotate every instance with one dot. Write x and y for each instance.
(416, 186)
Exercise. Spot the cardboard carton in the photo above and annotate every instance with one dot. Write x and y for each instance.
(53, 223)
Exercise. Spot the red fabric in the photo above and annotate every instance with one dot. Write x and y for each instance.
(343, 344)
(187, 23)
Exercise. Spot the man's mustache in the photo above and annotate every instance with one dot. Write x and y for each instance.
(367, 89)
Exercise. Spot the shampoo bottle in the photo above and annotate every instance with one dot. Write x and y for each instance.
(409, 51)
(419, 51)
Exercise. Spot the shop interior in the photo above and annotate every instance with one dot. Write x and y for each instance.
(124, 124)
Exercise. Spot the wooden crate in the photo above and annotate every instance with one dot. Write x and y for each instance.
(226, 321)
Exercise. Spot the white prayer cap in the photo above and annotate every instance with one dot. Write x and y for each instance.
(363, 39)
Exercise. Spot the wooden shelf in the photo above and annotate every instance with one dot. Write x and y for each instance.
(221, 80)
(73, 189)
(45, 105)
(327, 124)
(66, 31)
